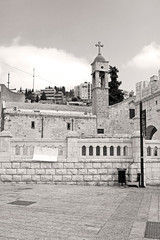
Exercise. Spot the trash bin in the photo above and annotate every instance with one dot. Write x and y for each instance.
(121, 175)
(138, 178)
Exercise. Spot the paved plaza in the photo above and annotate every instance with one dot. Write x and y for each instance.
(40, 211)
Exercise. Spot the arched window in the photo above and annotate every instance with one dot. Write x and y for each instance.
(155, 151)
(125, 151)
(31, 150)
(98, 151)
(118, 151)
(111, 151)
(17, 150)
(90, 150)
(60, 150)
(84, 151)
(25, 150)
(104, 151)
(149, 151)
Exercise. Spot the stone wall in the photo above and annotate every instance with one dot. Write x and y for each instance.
(7, 95)
(119, 117)
(51, 124)
(76, 164)
(56, 123)
(83, 173)
(152, 163)
(10, 96)
(152, 106)
(72, 166)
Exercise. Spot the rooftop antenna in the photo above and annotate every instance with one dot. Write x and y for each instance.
(33, 78)
(8, 79)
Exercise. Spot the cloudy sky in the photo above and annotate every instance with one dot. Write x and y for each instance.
(57, 38)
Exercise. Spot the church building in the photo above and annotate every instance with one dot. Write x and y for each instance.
(87, 145)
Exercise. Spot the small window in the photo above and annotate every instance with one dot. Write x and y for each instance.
(17, 150)
(84, 151)
(125, 151)
(118, 151)
(98, 151)
(60, 150)
(149, 151)
(111, 151)
(33, 124)
(104, 151)
(155, 151)
(68, 126)
(90, 151)
(131, 113)
(100, 131)
(25, 150)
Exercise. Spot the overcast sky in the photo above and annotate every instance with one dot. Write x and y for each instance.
(57, 38)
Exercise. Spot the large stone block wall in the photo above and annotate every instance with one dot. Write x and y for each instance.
(52, 126)
(152, 106)
(152, 172)
(71, 167)
(81, 120)
(83, 173)
(119, 118)
(152, 162)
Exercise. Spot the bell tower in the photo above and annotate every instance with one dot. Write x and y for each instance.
(100, 93)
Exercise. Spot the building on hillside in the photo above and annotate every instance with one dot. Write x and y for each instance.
(83, 91)
(77, 91)
(52, 96)
(90, 143)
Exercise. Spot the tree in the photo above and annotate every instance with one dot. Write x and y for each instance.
(37, 98)
(26, 93)
(116, 95)
(56, 88)
(43, 97)
(64, 90)
(29, 94)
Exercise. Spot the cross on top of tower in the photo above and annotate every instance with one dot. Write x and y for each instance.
(99, 45)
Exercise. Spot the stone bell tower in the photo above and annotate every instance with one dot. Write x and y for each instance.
(100, 91)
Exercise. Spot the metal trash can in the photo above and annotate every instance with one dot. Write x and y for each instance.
(121, 175)
(139, 178)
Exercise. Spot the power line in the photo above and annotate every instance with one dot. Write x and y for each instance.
(31, 74)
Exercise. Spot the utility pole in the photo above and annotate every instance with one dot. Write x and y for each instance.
(142, 127)
(33, 78)
(8, 79)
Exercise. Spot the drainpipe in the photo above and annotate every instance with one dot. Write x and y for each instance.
(72, 124)
(42, 127)
(141, 147)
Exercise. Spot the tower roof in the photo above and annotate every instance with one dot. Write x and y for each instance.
(99, 58)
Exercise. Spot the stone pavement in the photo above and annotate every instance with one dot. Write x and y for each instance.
(76, 212)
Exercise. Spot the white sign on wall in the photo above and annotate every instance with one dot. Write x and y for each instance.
(45, 154)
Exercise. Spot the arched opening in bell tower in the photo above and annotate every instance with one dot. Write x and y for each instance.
(150, 131)
(102, 79)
